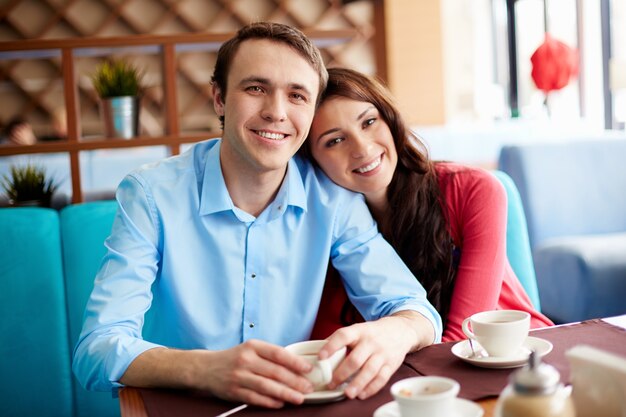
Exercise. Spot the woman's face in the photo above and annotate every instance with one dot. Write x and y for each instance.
(353, 145)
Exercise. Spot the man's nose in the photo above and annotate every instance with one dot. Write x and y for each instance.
(274, 108)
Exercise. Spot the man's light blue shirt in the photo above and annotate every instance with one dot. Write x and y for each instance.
(204, 274)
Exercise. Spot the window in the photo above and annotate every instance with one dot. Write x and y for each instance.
(596, 29)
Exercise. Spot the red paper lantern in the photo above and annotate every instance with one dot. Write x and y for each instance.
(554, 64)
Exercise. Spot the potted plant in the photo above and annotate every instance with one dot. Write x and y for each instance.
(28, 186)
(119, 86)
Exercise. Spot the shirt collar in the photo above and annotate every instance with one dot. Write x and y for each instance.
(215, 197)
(293, 187)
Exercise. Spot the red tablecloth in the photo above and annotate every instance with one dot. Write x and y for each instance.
(476, 383)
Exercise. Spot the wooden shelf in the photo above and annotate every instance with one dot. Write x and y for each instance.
(322, 38)
(104, 143)
(167, 46)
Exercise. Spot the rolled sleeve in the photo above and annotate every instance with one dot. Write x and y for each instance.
(111, 337)
(377, 282)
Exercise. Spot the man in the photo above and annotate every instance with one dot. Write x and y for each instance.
(226, 247)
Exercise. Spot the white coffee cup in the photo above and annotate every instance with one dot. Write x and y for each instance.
(426, 396)
(500, 332)
(322, 372)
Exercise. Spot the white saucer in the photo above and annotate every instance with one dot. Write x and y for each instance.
(463, 351)
(319, 397)
(464, 408)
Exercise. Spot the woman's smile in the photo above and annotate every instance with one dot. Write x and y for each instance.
(370, 168)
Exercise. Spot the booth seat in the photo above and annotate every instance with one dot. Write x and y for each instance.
(574, 196)
(48, 261)
(517, 243)
(35, 375)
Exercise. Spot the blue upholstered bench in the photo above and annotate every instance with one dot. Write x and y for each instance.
(48, 261)
(517, 242)
(35, 375)
(574, 196)
(84, 227)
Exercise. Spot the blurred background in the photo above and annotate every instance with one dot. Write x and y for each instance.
(449, 62)
(461, 70)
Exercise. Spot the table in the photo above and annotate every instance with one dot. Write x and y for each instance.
(608, 334)
(132, 404)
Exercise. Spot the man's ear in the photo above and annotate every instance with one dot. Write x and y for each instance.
(218, 100)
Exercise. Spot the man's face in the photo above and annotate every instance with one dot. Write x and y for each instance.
(268, 108)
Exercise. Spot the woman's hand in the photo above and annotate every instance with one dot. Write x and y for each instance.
(376, 350)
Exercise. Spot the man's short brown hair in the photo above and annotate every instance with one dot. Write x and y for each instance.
(275, 32)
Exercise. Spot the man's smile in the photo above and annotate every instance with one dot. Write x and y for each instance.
(270, 135)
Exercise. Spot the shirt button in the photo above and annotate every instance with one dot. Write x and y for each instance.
(253, 276)
(280, 208)
(251, 325)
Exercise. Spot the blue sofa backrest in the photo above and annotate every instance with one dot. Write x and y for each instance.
(48, 262)
(576, 188)
(517, 243)
(84, 228)
(35, 375)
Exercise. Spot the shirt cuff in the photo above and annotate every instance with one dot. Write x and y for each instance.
(430, 314)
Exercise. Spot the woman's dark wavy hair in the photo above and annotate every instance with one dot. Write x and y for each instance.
(417, 228)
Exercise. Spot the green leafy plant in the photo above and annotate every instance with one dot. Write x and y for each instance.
(117, 79)
(29, 183)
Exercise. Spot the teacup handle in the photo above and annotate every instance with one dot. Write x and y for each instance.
(466, 329)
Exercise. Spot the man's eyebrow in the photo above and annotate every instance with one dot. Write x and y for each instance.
(254, 79)
(300, 87)
(266, 81)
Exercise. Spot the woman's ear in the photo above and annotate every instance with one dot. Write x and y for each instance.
(218, 100)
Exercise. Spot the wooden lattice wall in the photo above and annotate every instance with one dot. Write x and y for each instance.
(33, 87)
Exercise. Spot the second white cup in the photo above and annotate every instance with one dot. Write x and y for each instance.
(322, 372)
(500, 332)
(426, 396)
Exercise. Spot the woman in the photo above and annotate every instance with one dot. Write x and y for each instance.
(447, 221)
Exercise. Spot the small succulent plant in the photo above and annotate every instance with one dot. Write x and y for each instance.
(29, 183)
(117, 79)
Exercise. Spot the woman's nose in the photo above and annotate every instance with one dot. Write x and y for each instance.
(274, 108)
(360, 147)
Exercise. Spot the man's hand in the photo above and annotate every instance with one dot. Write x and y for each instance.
(377, 350)
(254, 372)
(259, 373)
